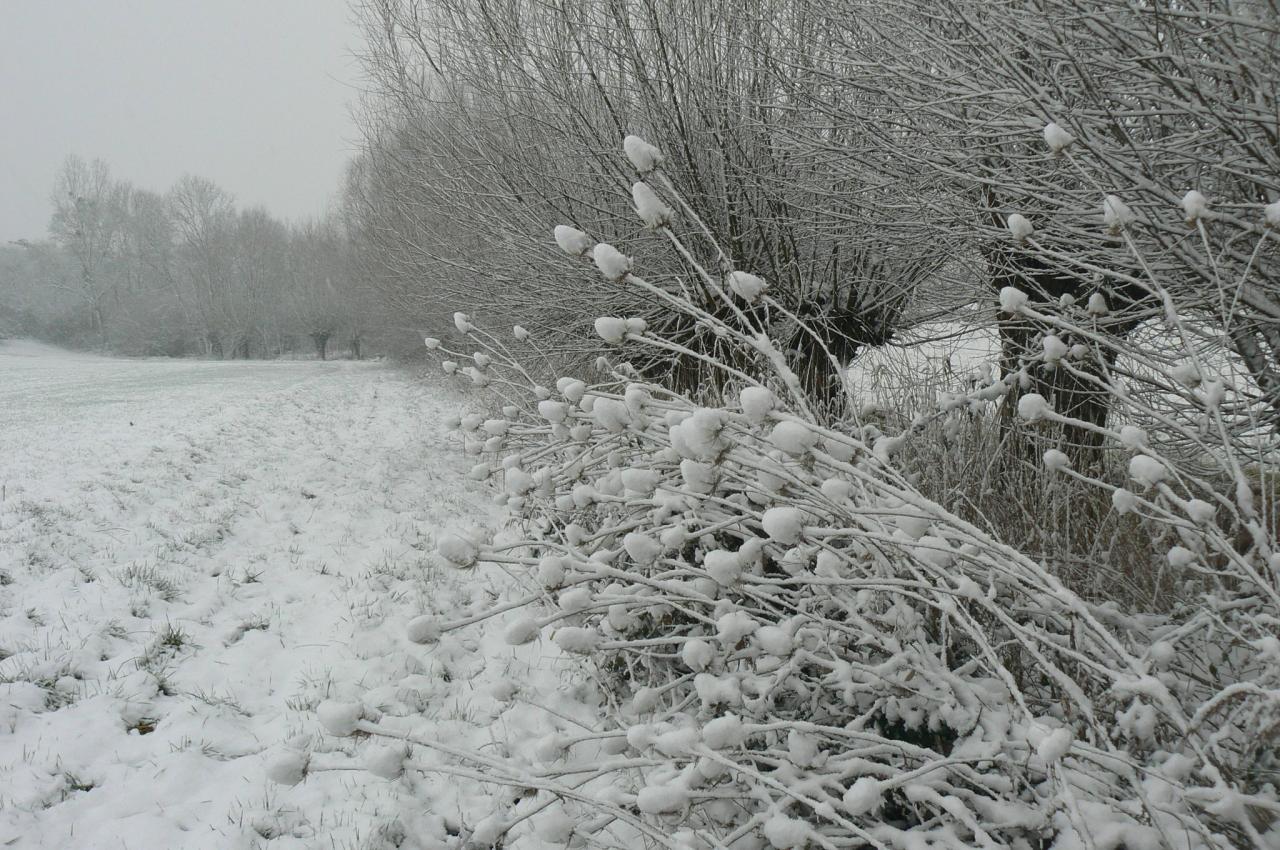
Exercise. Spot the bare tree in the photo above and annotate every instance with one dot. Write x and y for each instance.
(958, 116)
(204, 219)
(88, 222)
(498, 118)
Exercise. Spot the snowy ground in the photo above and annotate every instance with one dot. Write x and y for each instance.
(192, 556)
(909, 373)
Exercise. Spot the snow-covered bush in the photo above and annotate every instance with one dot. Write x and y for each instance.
(796, 647)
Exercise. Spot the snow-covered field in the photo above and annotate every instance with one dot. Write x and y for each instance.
(192, 556)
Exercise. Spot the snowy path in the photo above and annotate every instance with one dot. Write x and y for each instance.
(192, 556)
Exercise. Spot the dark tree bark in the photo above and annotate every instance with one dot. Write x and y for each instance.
(321, 340)
(1070, 394)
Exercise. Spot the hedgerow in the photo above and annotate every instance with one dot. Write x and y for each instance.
(797, 648)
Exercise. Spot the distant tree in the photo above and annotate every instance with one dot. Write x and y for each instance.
(38, 289)
(319, 301)
(186, 270)
(88, 222)
(204, 220)
(257, 282)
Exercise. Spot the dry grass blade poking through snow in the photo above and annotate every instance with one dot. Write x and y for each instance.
(796, 648)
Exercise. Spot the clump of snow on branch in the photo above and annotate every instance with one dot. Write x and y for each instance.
(644, 157)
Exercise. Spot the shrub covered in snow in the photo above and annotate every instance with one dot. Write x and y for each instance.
(798, 648)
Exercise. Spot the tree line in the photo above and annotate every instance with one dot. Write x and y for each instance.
(185, 272)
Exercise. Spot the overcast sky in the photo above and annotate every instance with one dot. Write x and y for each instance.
(252, 94)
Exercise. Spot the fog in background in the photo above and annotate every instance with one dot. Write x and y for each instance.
(250, 94)
(653, 423)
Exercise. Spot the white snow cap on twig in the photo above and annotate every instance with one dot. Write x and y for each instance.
(644, 156)
(1055, 745)
(521, 632)
(652, 211)
(757, 402)
(1055, 460)
(553, 411)
(661, 799)
(571, 388)
(572, 240)
(787, 833)
(1033, 406)
(1195, 206)
(457, 550)
(339, 718)
(724, 566)
(642, 548)
(1116, 214)
(386, 762)
(611, 329)
(1019, 227)
(1132, 437)
(746, 286)
(611, 262)
(794, 438)
(577, 639)
(423, 629)
(1057, 138)
(1146, 470)
(1054, 348)
(1123, 500)
(696, 654)
(724, 732)
(863, 796)
(1271, 215)
(784, 525)
(1012, 299)
(289, 768)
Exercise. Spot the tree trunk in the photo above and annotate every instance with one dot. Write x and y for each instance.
(99, 324)
(1069, 394)
(321, 339)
